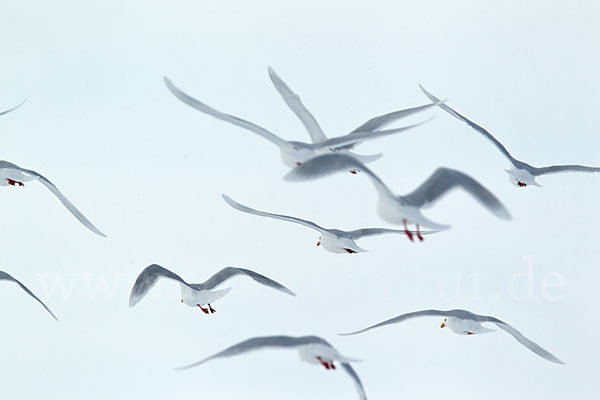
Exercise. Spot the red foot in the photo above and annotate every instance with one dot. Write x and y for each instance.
(212, 310)
(327, 365)
(419, 234)
(14, 183)
(469, 333)
(350, 251)
(521, 184)
(205, 310)
(354, 172)
(298, 163)
(408, 233)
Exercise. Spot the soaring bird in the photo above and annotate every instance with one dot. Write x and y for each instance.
(332, 240)
(294, 153)
(520, 173)
(197, 294)
(402, 210)
(311, 349)
(464, 322)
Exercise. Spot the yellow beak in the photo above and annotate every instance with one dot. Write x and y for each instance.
(443, 325)
(318, 243)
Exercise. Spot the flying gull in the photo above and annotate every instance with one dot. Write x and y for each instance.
(197, 294)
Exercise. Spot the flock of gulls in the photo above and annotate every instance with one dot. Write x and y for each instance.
(321, 157)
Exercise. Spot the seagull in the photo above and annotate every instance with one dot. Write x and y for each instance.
(520, 173)
(464, 322)
(6, 277)
(197, 294)
(333, 240)
(13, 175)
(14, 108)
(404, 209)
(311, 349)
(314, 129)
(294, 153)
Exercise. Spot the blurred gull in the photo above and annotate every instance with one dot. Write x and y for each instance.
(294, 153)
(311, 349)
(11, 174)
(520, 173)
(333, 240)
(464, 322)
(406, 209)
(6, 277)
(197, 294)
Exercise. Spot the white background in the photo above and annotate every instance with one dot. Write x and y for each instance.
(149, 171)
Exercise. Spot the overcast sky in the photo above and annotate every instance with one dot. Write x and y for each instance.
(149, 172)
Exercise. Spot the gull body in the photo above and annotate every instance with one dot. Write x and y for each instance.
(520, 173)
(332, 240)
(407, 208)
(294, 153)
(311, 349)
(197, 294)
(11, 174)
(463, 322)
(7, 277)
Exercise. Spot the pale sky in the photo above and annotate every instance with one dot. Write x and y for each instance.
(149, 172)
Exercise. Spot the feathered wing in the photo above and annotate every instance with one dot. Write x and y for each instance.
(557, 169)
(147, 279)
(72, 209)
(8, 277)
(343, 142)
(540, 351)
(295, 104)
(384, 120)
(13, 109)
(198, 105)
(366, 232)
(328, 164)
(249, 210)
(473, 125)
(230, 272)
(357, 383)
(259, 343)
(400, 318)
(443, 180)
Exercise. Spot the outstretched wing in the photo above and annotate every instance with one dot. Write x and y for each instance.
(473, 125)
(400, 318)
(198, 105)
(557, 169)
(259, 343)
(72, 209)
(147, 279)
(7, 277)
(348, 141)
(249, 210)
(357, 382)
(331, 163)
(443, 180)
(537, 349)
(14, 108)
(295, 104)
(230, 272)
(365, 232)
